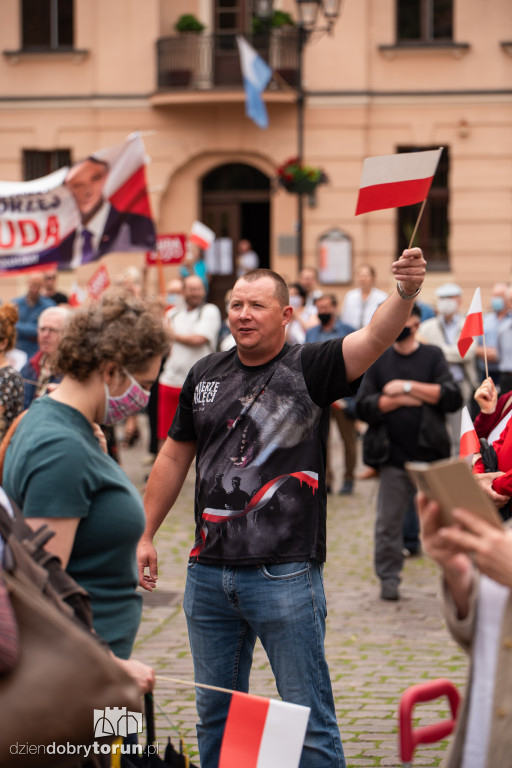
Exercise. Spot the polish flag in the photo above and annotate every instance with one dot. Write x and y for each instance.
(473, 324)
(263, 733)
(390, 181)
(469, 442)
(201, 235)
(77, 295)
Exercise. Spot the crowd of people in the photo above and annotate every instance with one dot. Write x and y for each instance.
(252, 397)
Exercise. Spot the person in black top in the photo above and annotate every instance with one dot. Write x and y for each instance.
(260, 412)
(404, 397)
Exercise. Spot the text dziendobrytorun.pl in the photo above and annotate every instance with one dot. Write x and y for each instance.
(82, 749)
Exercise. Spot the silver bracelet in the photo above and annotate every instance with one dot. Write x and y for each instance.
(404, 295)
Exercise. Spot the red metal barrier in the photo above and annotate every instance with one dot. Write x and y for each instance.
(410, 737)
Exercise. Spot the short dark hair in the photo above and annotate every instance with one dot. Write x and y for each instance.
(281, 289)
(331, 296)
(416, 310)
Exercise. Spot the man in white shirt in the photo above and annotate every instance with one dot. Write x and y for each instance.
(361, 302)
(247, 259)
(193, 330)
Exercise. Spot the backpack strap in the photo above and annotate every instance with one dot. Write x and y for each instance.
(7, 439)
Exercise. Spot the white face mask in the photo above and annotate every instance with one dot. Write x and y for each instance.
(447, 307)
(295, 302)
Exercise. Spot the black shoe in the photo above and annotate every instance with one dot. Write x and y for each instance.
(348, 487)
(389, 591)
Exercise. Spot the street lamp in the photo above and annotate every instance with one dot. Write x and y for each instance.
(308, 12)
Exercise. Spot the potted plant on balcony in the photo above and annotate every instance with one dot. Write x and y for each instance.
(300, 179)
(187, 22)
(187, 25)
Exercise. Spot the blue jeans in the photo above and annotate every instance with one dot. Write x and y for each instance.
(227, 608)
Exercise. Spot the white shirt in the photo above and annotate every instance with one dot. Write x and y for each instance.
(247, 261)
(357, 311)
(203, 321)
(491, 605)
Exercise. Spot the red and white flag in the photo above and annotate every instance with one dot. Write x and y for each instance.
(473, 324)
(263, 733)
(201, 235)
(390, 181)
(469, 442)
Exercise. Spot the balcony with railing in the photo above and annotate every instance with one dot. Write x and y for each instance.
(197, 65)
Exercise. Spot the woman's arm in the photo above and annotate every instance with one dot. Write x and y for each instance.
(65, 531)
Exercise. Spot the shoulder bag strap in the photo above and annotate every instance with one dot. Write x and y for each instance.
(7, 439)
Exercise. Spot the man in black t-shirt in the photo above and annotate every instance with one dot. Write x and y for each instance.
(260, 412)
(404, 397)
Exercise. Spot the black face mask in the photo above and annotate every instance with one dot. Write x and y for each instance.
(325, 317)
(404, 334)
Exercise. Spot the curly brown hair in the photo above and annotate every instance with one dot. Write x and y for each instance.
(8, 319)
(119, 328)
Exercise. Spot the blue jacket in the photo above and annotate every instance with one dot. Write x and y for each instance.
(338, 331)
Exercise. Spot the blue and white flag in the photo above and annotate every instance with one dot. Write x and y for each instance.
(256, 74)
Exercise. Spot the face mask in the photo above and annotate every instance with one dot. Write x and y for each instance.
(498, 304)
(172, 298)
(404, 334)
(447, 307)
(132, 401)
(325, 317)
(295, 302)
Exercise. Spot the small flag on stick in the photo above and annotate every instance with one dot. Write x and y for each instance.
(391, 181)
(201, 235)
(469, 442)
(473, 324)
(256, 74)
(263, 733)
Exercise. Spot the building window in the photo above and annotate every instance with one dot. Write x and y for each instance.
(433, 230)
(424, 21)
(47, 25)
(37, 163)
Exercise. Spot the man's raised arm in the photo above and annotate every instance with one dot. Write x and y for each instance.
(363, 347)
(164, 484)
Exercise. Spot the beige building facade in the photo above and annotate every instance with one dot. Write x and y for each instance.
(385, 80)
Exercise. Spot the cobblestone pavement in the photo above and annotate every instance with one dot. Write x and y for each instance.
(375, 649)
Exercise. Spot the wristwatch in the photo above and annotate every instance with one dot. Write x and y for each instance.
(404, 295)
(407, 387)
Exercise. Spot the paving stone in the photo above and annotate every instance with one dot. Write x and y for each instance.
(375, 649)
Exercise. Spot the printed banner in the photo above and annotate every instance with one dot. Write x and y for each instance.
(171, 249)
(76, 215)
(99, 282)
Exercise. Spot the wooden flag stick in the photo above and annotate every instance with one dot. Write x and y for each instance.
(192, 684)
(201, 685)
(417, 222)
(485, 357)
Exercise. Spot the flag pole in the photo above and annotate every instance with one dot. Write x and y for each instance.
(417, 223)
(192, 684)
(485, 357)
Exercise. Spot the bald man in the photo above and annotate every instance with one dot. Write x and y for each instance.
(194, 331)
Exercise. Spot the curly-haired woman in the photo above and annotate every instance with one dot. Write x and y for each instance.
(57, 472)
(11, 382)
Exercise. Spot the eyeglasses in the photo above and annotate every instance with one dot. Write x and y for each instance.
(44, 328)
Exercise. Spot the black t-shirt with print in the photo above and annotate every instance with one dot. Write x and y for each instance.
(261, 435)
